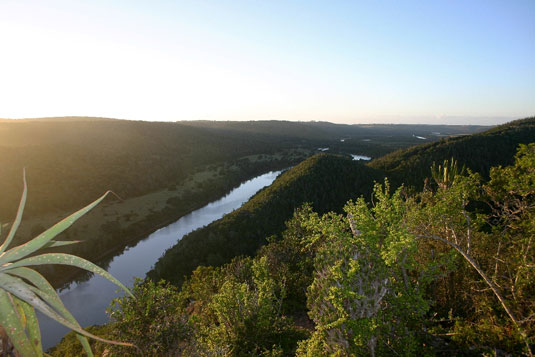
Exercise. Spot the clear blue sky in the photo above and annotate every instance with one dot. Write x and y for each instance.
(344, 61)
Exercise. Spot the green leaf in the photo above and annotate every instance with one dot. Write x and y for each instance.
(13, 326)
(18, 218)
(65, 259)
(24, 292)
(60, 243)
(42, 239)
(32, 325)
(47, 293)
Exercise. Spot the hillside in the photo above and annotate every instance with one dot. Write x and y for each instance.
(69, 163)
(72, 160)
(478, 152)
(325, 181)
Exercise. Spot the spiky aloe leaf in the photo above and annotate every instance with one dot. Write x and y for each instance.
(18, 217)
(32, 326)
(23, 291)
(60, 243)
(10, 320)
(49, 295)
(65, 259)
(42, 239)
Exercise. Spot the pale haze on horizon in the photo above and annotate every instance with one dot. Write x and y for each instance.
(447, 62)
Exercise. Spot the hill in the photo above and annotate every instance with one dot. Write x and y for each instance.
(88, 156)
(325, 181)
(477, 152)
(70, 163)
(373, 139)
(413, 273)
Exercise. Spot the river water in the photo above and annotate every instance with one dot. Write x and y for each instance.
(88, 300)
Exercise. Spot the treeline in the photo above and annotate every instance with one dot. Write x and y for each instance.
(70, 161)
(324, 180)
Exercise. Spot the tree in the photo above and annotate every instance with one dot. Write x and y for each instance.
(362, 299)
(496, 242)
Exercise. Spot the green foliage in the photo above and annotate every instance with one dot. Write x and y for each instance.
(490, 292)
(70, 346)
(362, 299)
(152, 319)
(23, 290)
(445, 174)
(245, 317)
(292, 258)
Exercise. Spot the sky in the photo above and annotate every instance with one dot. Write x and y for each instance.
(449, 62)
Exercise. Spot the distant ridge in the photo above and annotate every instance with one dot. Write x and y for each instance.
(478, 152)
(55, 119)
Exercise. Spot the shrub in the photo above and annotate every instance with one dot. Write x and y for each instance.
(152, 320)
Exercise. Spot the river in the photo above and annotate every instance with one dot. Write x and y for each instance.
(88, 300)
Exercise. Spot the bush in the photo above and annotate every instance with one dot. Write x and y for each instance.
(152, 320)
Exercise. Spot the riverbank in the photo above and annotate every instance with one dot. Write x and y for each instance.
(88, 300)
(116, 225)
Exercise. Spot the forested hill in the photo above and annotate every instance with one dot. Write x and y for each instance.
(328, 130)
(374, 140)
(326, 181)
(478, 152)
(380, 279)
(72, 160)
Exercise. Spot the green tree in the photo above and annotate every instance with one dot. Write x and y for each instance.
(245, 319)
(491, 289)
(153, 319)
(363, 300)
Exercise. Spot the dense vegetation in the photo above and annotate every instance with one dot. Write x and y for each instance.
(444, 271)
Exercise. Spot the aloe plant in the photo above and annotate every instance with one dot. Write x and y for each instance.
(23, 290)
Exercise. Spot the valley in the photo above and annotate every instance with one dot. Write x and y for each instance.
(287, 233)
